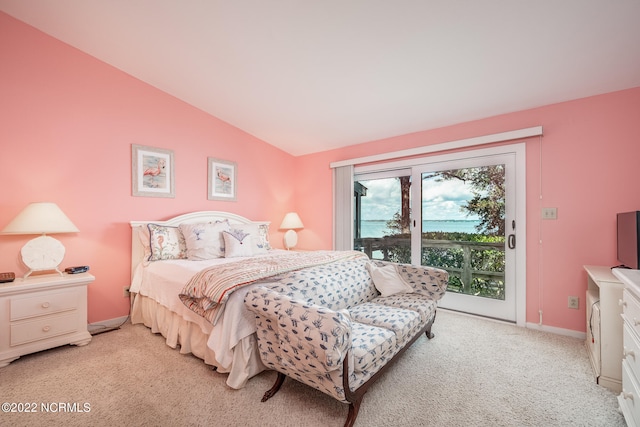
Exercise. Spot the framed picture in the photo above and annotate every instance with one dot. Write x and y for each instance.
(223, 177)
(152, 172)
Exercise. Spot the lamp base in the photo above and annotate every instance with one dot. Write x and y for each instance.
(44, 253)
(57, 270)
(290, 239)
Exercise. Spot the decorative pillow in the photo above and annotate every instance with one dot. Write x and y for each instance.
(145, 237)
(166, 243)
(387, 280)
(204, 240)
(259, 236)
(237, 243)
(263, 237)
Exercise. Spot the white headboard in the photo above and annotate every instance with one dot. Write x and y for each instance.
(137, 250)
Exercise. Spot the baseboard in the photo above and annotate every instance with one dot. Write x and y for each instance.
(111, 324)
(106, 325)
(536, 326)
(558, 331)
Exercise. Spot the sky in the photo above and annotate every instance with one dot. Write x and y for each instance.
(441, 200)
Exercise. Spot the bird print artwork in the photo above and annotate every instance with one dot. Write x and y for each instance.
(223, 180)
(154, 175)
(223, 177)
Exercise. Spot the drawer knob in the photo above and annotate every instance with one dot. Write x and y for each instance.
(626, 395)
(622, 303)
(635, 322)
(45, 305)
(628, 352)
(46, 328)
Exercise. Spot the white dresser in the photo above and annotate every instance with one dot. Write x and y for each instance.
(604, 326)
(629, 398)
(42, 312)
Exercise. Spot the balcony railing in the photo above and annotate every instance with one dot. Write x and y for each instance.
(475, 268)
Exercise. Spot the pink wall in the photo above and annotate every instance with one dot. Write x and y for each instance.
(68, 122)
(590, 158)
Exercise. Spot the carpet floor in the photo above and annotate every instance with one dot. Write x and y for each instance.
(475, 372)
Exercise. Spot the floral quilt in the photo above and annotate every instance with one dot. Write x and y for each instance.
(208, 290)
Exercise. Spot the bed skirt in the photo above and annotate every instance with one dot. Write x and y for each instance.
(244, 363)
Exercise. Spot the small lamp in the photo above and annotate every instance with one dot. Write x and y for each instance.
(44, 252)
(291, 222)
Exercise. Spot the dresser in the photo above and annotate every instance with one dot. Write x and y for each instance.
(42, 312)
(629, 398)
(604, 326)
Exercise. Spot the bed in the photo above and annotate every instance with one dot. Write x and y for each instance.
(215, 327)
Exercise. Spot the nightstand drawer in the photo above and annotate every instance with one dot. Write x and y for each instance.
(39, 329)
(44, 303)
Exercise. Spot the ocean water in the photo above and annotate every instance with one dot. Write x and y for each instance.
(378, 228)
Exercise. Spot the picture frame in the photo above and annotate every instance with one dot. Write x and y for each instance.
(223, 178)
(152, 172)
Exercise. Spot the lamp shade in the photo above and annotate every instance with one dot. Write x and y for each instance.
(40, 218)
(291, 221)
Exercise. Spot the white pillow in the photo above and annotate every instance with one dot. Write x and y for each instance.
(259, 236)
(145, 239)
(263, 237)
(237, 243)
(387, 280)
(204, 240)
(165, 243)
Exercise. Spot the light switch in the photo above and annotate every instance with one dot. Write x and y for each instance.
(549, 213)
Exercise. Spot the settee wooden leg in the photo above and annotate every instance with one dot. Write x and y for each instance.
(353, 413)
(428, 332)
(276, 386)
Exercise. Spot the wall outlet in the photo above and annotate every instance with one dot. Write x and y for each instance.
(125, 292)
(574, 302)
(549, 213)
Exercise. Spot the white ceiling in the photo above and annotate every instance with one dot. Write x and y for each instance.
(307, 76)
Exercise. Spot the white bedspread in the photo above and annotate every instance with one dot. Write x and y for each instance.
(162, 281)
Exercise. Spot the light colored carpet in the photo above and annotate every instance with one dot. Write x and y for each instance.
(475, 372)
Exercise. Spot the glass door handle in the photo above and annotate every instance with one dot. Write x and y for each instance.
(511, 241)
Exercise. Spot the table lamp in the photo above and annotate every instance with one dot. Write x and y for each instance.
(291, 222)
(43, 253)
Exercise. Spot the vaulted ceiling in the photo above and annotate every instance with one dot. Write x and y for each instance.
(307, 76)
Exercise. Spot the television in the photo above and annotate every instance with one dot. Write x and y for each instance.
(628, 232)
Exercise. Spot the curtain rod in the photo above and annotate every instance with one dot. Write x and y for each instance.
(450, 145)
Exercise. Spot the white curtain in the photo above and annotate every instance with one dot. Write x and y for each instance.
(343, 208)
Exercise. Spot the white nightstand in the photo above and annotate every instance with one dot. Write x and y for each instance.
(42, 312)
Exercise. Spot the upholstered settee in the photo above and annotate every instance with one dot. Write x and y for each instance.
(338, 327)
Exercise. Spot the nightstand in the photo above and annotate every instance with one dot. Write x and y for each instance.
(42, 312)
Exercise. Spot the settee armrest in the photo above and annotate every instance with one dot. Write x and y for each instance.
(428, 281)
(294, 335)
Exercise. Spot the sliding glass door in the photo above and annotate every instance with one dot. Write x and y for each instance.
(467, 219)
(456, 212)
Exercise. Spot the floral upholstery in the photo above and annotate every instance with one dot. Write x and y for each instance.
(414, 301)
(400, 321)
(336, 286)
(311, 320)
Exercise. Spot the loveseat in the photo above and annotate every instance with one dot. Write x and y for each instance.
(338, 327)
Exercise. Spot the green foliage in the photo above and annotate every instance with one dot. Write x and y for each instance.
(446, 250)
